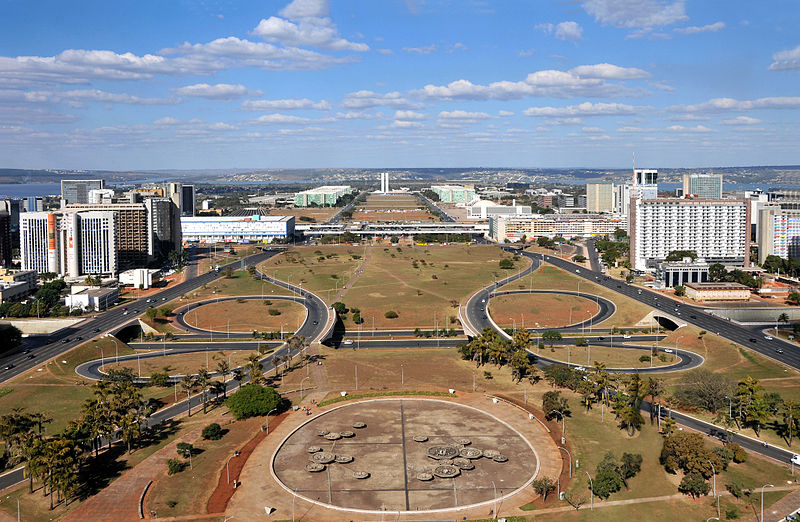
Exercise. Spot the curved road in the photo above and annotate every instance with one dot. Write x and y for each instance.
(607, 309)
(180, 316)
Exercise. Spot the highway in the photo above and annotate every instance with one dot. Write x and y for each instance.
(43, 348)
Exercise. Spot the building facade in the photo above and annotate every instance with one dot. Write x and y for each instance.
(77, 190)
(703, 186)
(718, 231)
(326, 196)
(778, 233)
(600, 197)
(232, 229)
(96, 245)
(187, 201)
(133, 233)
(454, 193)
(717, 292)
(5, 239)
(513, 228)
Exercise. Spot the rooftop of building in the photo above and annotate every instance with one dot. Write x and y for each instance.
(325, 189)
(717, 286)
(96, 291)
(222, 219)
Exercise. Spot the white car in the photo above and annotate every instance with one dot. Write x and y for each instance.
(795, 459)
(768, 337)
(580, 369)
(348, 342)
(626, 336)
(668, 350)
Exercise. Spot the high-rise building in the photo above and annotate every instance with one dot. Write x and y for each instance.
(34, 204)
(717, 231)
(101, 196)
(514, 227)
(12, 207)
(600, 197)
(187, 201)
(133, 236)
(778, 233)
(645, 177)
(77, 190)
(39, 241)
(164, 236)
(5, 240)
(325, 196)
(96, 245)
(703, 186)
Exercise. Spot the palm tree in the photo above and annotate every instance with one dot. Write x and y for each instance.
(253, 367)
(788, 409)
(187, 385)
(224, 369)
(202, 381)
(655, 388)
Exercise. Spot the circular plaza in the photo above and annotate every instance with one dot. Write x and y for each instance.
(405, 455)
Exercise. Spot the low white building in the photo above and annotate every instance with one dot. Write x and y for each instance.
(236, 229)
(94, 298)
(138, 277)
(513, 228)
(483, 209)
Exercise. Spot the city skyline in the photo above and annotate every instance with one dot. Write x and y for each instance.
(312, 83)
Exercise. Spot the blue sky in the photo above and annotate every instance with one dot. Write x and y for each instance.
(398, 83)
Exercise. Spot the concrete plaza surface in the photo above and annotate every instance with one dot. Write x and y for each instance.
(386, 449)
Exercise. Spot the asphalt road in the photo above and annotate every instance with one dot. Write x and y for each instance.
(43, 348)
(433, 207)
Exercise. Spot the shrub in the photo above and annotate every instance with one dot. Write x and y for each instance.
(274, 311)
(185, 449)
(732, 513)
(174, 466)
(725, 456)
(252, 400)
(391, 314)
(739, 454)
(172, 503)
(644, 358)
(159, 379)
(694, 484)
(212, 432)
(267, 302)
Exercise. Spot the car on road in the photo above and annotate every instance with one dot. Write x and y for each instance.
(26, 351)
(79, 338)
(316, 323)
(669, 350)
(768, 337)
(693, 316)
(348, 342)
(96, 330)
(163, 298)
(579, 369)
(753, 340)
(149, 300)
(8, 367)
(125, 312)
(30, 356)
(65, 340)
(778, 350)
(626, 336)
(795, 459)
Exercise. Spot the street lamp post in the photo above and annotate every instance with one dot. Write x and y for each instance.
(714, 472)
(591, 492)
(301, 392)
(495, 500)
(116, 347)
(270, 411)
(569, 455)
(762, 499)
(563, 423)
(227, 468)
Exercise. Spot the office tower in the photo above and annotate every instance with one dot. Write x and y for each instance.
(12, 207)
(38, 242)
(325, 196)
(164, 236)
(703, 186)
(34, 204)
(187, 200)
(718, 231)
(5, 239)
(96, 245)
(645, 177)
(600, 197)
(778, 233)
(132, 231)
(101, 196)
(77, 190)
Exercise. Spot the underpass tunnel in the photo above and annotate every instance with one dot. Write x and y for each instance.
(667, 323)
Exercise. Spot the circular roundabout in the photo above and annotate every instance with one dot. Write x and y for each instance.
(414, 455)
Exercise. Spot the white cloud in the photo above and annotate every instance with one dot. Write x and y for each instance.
(571, 31)
(504, 114)
(609, 71)
(788, 59)
(167, 120)
(358, 115)
(464, 115)
(219, 91)
(278, 118)
(409, 115)
(306, 23)
(428, 49)
(681, 128)
(583, 109)
(742, 120)
(547, 84)
(592, 129)
(94, 95)
(730, 104)
(385, 51)
(630, 14)
(693, 29)
(366, 99)
(285, 105)
(403, 124)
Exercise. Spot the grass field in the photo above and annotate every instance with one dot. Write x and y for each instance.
(321, 269)
(247, 315)
(240, 283)
(629, 312)
(318, 215)
(613, 357)
(540, 310)
(183, 364)
(55, 389)
(420, 282)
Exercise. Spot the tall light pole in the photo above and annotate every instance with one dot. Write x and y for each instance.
(591, 492)
(116, 347)
(762, 499)
(569, 456)
(563, 423)
(227, 469)
(495, 500)
(714, 471)
(270, 411)
(301, 395)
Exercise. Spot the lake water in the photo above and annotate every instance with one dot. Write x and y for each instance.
(24, 190)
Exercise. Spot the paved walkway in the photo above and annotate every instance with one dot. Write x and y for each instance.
(259, 489)
(120, 500)
(788, 504)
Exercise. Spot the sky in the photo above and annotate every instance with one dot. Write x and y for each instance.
(194, 84)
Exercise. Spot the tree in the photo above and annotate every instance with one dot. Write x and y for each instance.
(151, 313)
(175, 466)
(253, 367)
(706, 389)
(694, 484)
(544, 486)
(578, 258)
(185, 449)
(520, 364)
(553, 402)
(783, 318)
(717, 272)
(391, 314)
(551, 337)
(340, 308)
(680, 290)
(10, 337)
(793, 298)
(581, 341)
(188, 385)
(223, 368)
(630, 467)
(687, 451)
(202, 380)
(608, 477)
(159, 379)
(212, 432)
(506, 264)
(789, 414)
(252, 400)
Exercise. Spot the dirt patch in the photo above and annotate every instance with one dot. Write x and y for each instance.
(541, 310)
(225, 490)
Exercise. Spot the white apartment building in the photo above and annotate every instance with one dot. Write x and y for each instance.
(512, 228)
(718, 231)
(600, 197)
(778, 233)
(234, 229)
